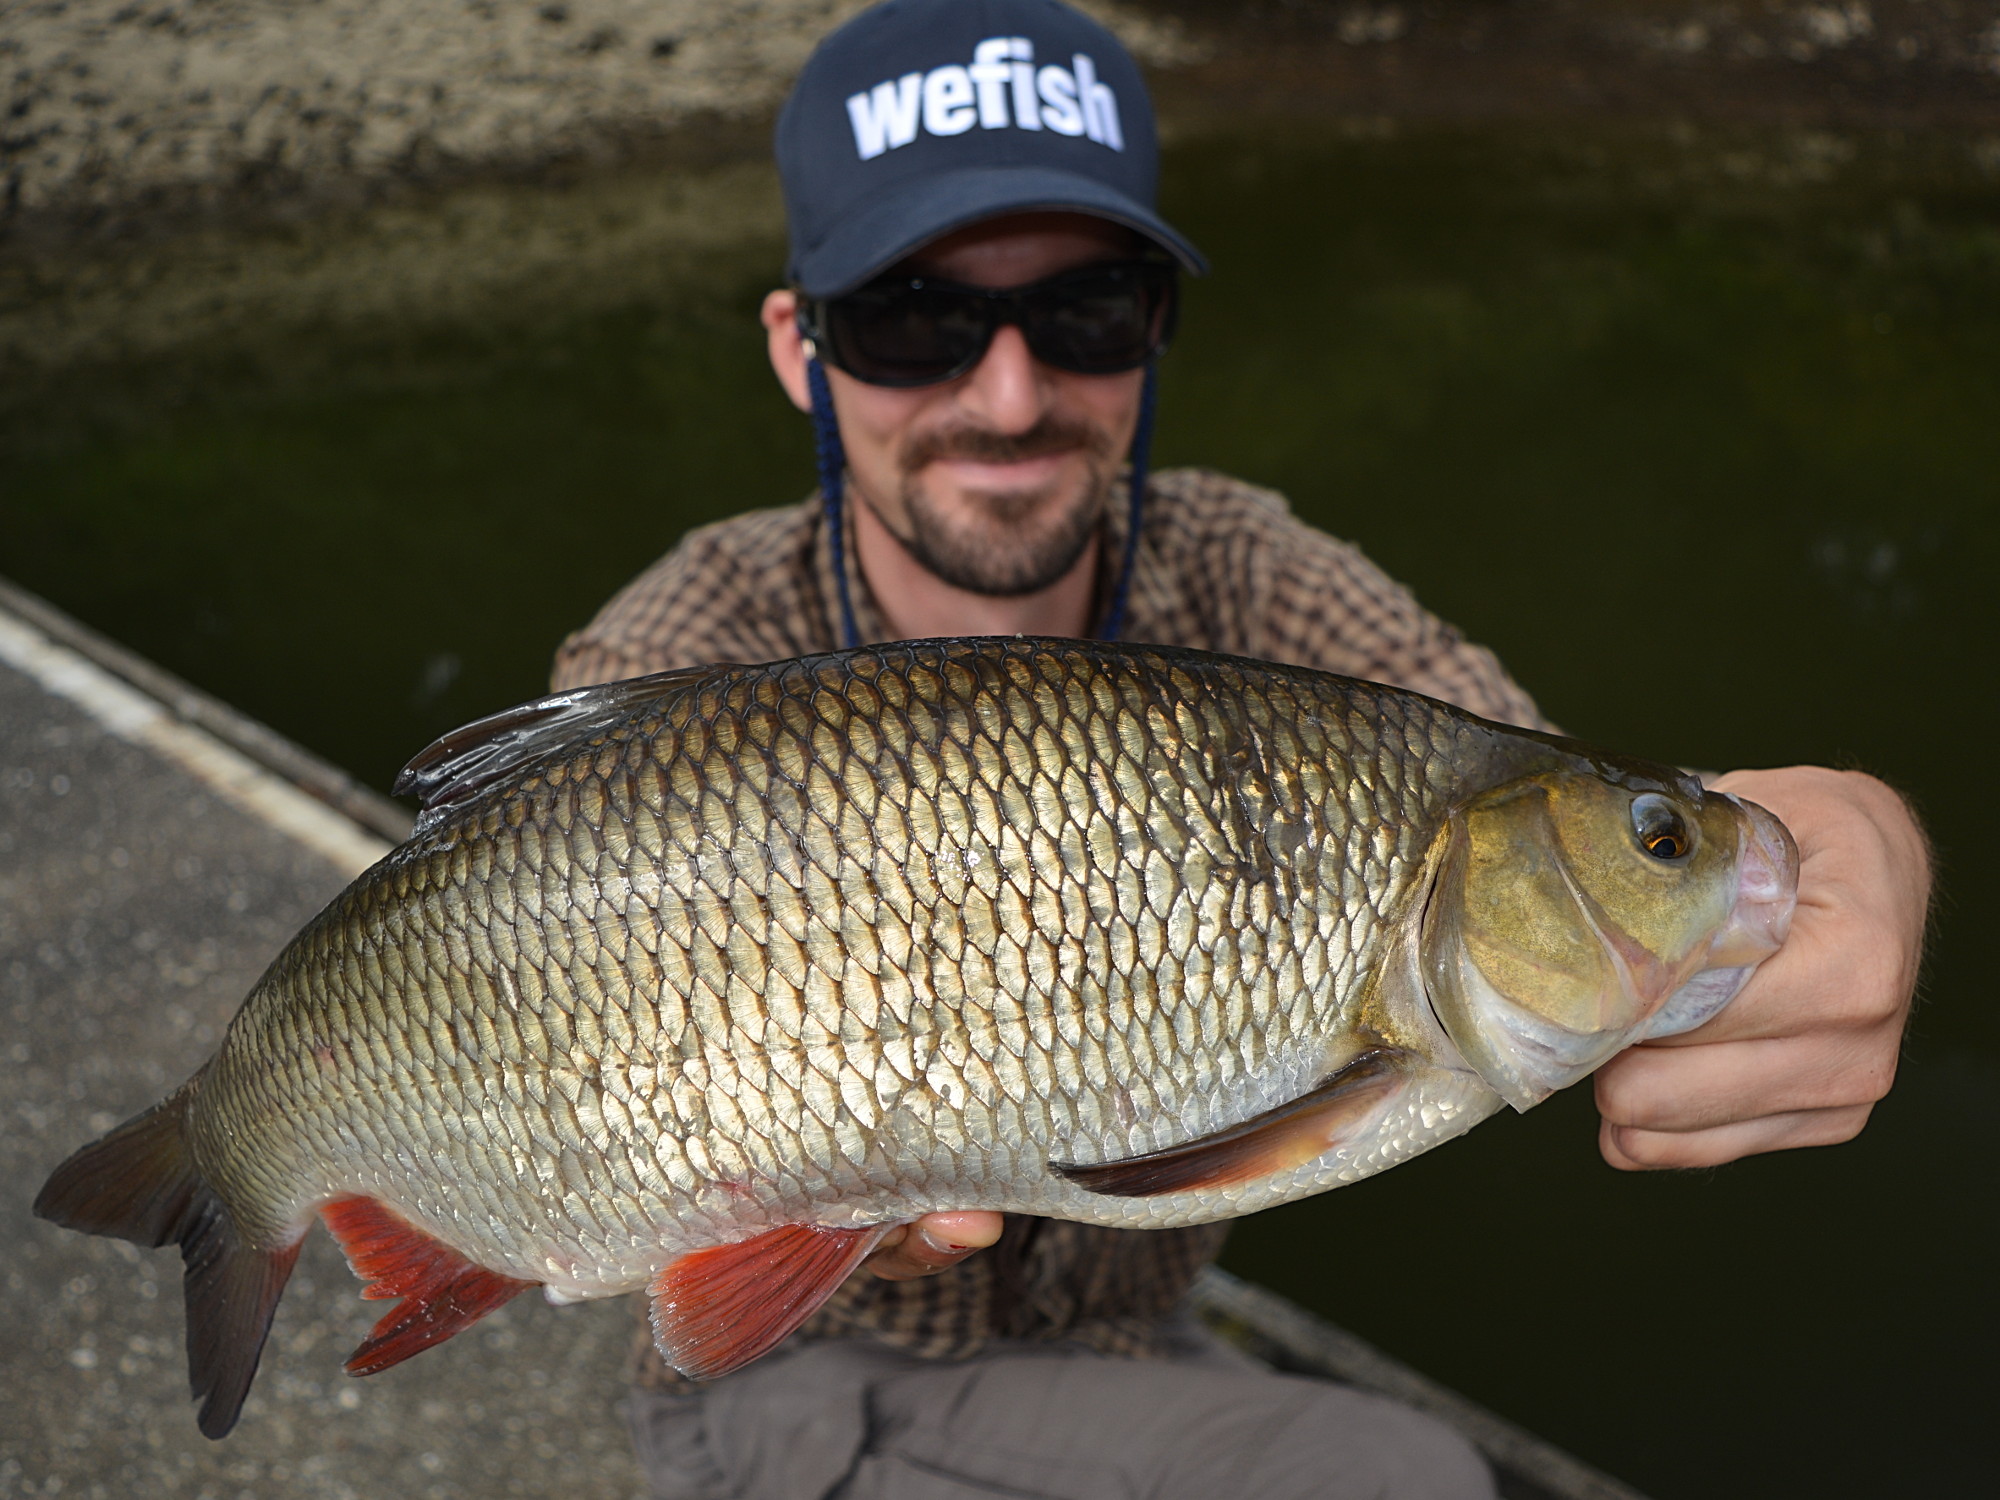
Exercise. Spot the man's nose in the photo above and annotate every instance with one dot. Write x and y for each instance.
(1007, 391)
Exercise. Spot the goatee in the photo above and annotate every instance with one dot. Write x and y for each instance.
(1014, 543)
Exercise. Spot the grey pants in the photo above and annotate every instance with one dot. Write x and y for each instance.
(857, 1421)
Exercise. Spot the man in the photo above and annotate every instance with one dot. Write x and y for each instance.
(980, 286)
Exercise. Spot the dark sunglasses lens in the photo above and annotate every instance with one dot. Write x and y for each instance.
(904, 335)
(1100, 324)
(1093, 322)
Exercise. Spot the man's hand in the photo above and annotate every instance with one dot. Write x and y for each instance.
(1802, 1055)
(934, 1243)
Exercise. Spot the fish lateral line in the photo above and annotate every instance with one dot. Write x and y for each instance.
(1278, 1140)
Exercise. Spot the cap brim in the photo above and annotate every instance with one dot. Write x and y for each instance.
(868, 243)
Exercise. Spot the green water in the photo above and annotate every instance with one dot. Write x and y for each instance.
(1701, 434)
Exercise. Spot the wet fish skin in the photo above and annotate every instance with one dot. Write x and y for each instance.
(836, 942)
(902, 922)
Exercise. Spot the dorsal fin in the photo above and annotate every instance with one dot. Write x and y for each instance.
(454, 769)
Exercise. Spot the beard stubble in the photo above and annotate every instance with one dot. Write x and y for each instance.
(1005, 545)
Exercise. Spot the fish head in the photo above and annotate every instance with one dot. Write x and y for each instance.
(1577, 911)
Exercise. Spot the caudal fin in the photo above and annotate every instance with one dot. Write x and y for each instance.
(139, 1184)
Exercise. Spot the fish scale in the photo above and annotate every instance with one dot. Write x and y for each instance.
(690, 980)
(1015, 918)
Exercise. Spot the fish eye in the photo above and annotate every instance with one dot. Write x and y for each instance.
(1661, 830)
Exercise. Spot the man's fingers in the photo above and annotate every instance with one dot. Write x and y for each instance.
(1686, 1089)
(934, 1243)
(1634, 1150)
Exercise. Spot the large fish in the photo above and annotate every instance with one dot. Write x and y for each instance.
(701, 981)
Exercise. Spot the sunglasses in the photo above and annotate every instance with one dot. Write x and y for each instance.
(904, 330)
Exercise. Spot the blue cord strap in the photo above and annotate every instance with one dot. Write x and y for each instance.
(832, 460)
(1142, 445)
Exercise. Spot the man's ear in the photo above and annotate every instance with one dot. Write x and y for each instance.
(780, 315)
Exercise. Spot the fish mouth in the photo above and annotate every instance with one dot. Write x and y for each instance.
(1767, 889)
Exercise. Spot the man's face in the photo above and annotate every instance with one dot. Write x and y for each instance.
(996, 481)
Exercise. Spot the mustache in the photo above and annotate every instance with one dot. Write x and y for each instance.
(1053, 434)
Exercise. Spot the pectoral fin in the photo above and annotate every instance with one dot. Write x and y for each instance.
(716, 1310)
(1276, 1141)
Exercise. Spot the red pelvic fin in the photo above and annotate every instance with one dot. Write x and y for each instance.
(442, 1291)
(139, 1184)
(716, 1310)
(1276, 1141)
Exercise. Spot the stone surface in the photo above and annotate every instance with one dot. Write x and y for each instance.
(116, 98)
(117, 107)
(109, 101)
(135, 911)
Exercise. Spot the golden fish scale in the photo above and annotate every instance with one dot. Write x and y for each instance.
(841, 940)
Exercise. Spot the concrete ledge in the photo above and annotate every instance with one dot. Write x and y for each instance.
(149, 871)
(254, 766)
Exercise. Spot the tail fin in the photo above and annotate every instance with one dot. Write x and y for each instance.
(139, 1184)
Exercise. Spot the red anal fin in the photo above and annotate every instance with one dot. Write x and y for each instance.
(716, 1310)
(442, 1291)
(1276, 1141)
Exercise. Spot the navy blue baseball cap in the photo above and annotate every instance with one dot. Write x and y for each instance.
(920, 116)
